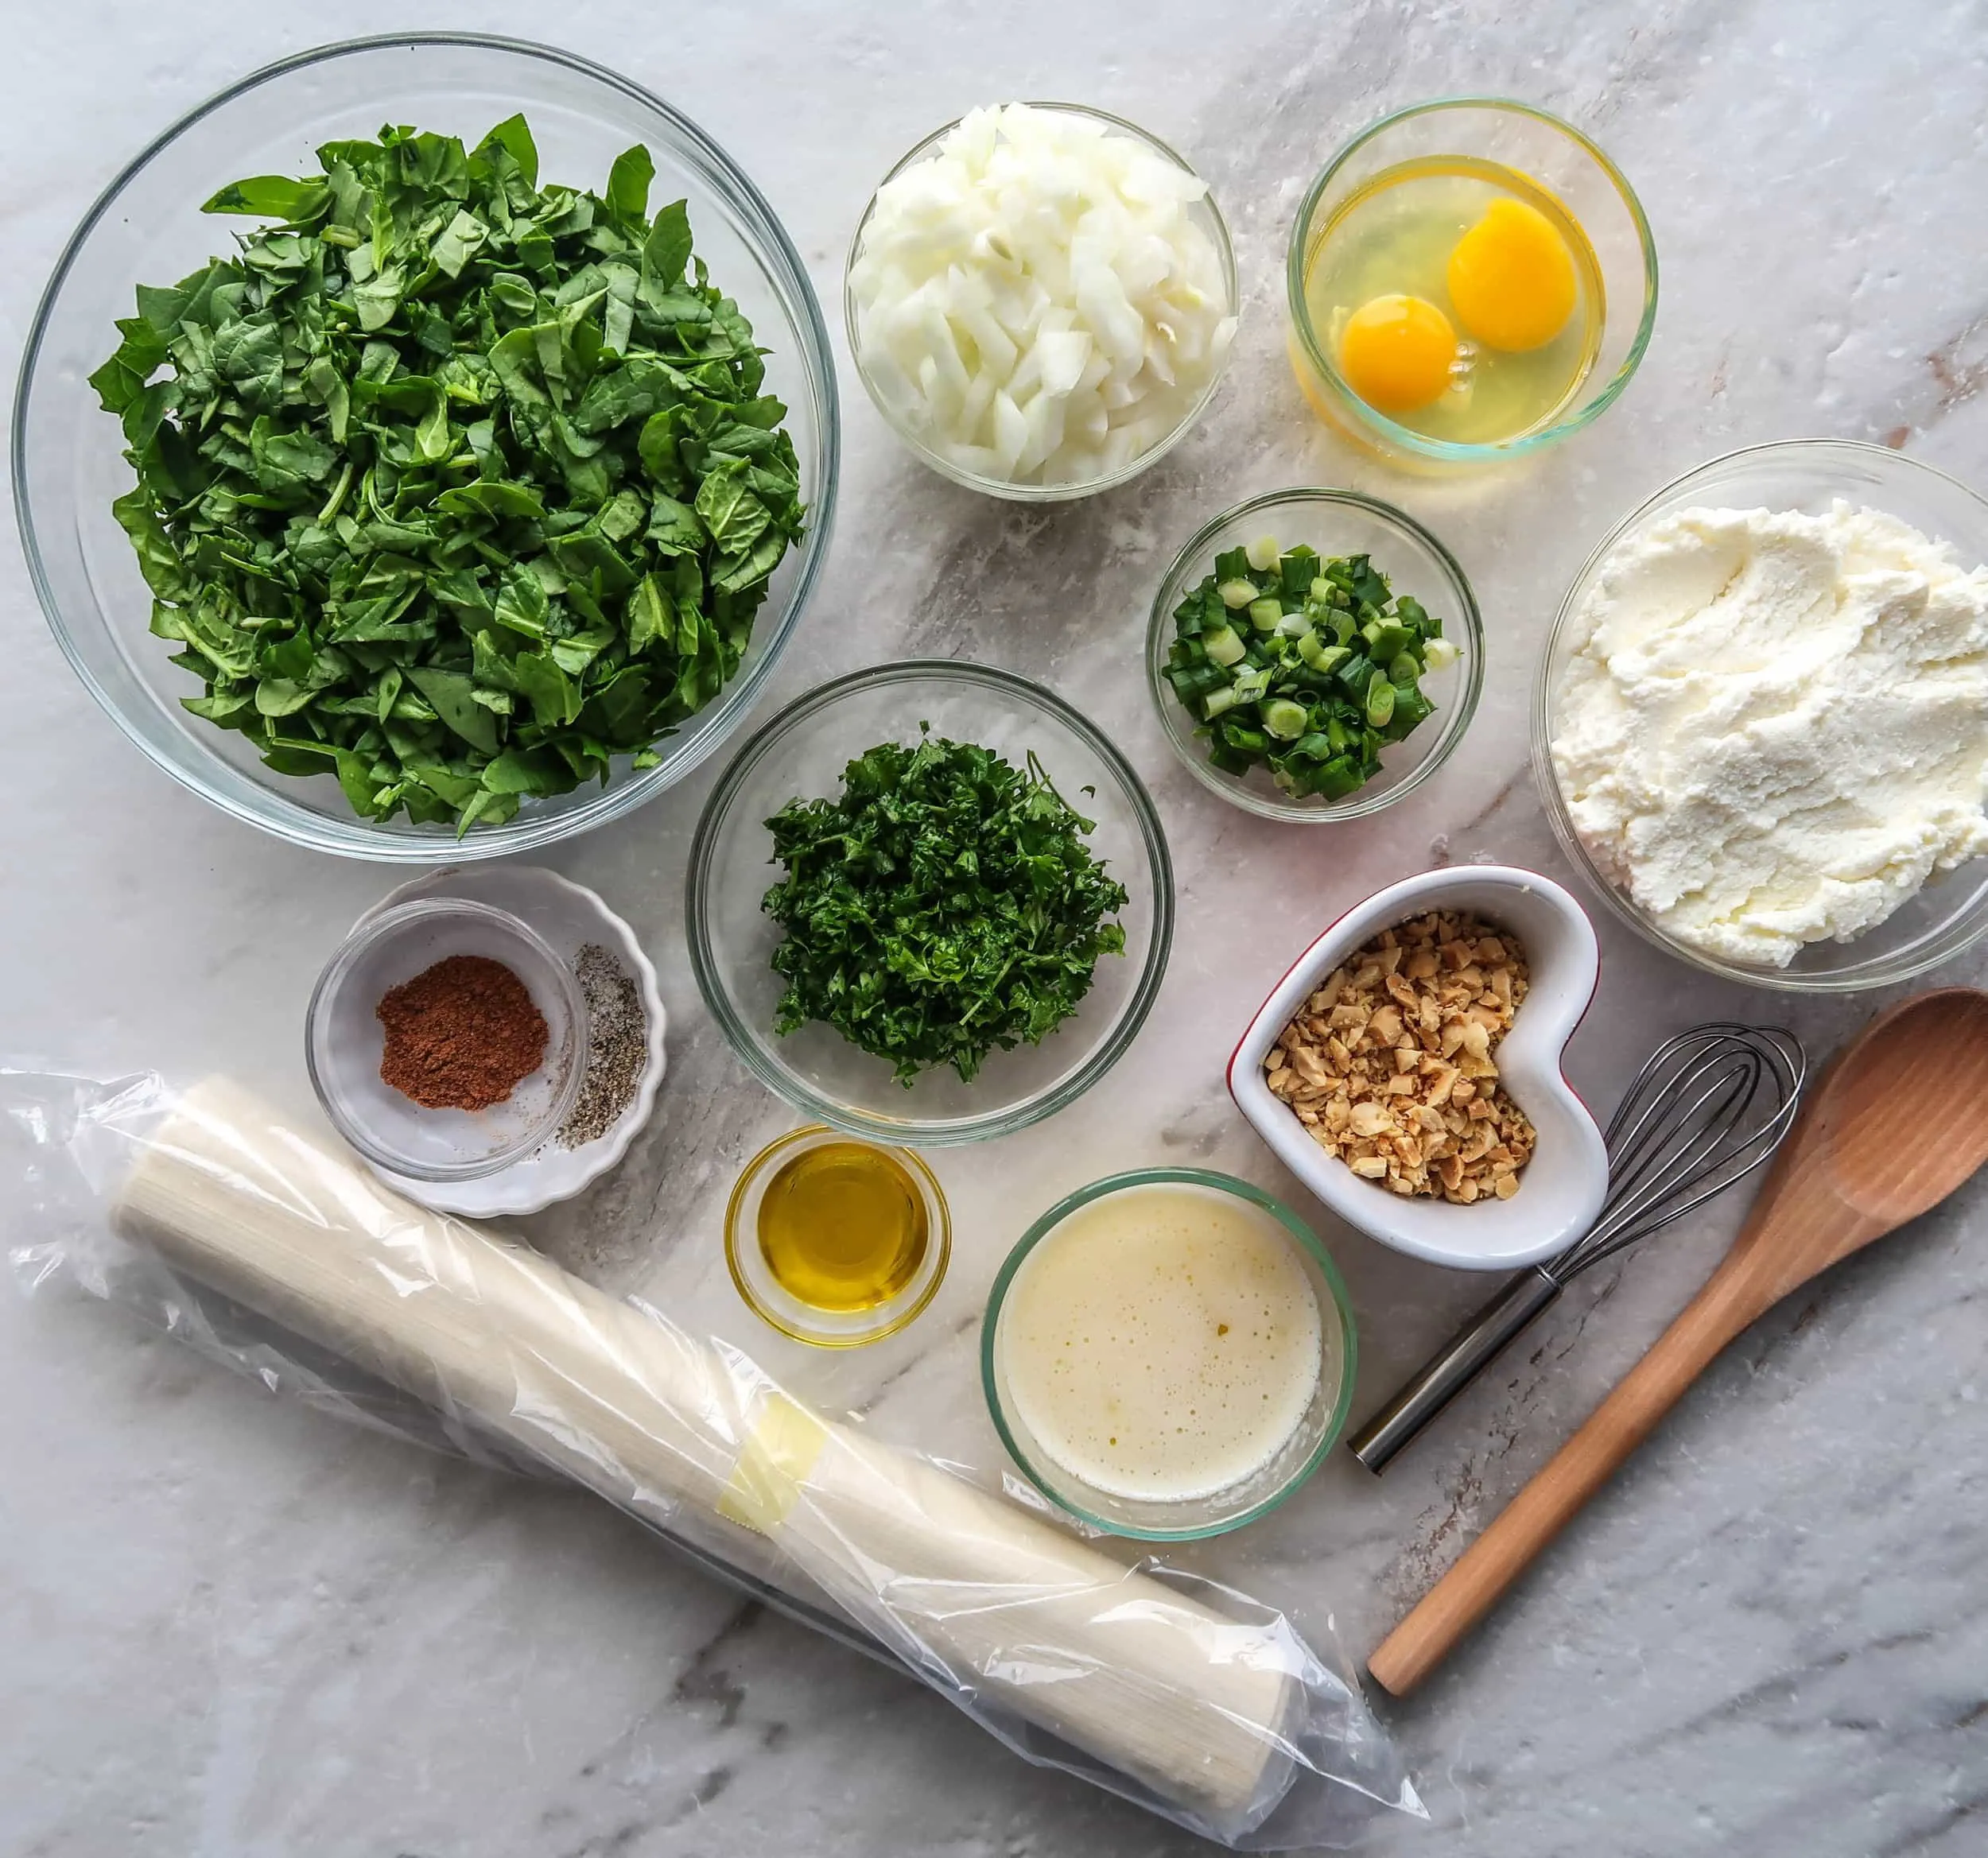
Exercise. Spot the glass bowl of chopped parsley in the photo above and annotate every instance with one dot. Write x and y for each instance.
(1315, 655)
(433, 491)
(930, 903)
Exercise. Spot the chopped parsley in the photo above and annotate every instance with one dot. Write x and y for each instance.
(945, 907)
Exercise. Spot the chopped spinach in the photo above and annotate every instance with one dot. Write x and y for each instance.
(945, 906)
(455, 487)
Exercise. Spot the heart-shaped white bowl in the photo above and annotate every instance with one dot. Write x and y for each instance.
(1562, 1188)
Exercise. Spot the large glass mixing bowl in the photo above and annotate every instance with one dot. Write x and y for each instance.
(147, 227)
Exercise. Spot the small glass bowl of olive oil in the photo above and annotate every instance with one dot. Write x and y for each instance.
(837, 1241)
(1469, 280)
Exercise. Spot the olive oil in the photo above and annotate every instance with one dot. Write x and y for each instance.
(842, 1227)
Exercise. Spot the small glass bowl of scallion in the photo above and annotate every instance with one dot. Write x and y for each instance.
(1315, 655)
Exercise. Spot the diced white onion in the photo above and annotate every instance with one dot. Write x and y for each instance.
(1039, 301)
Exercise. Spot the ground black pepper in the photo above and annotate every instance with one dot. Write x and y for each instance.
(617, 1049)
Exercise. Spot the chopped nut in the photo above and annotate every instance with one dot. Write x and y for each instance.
(1388, 1065)
(1369, 1118)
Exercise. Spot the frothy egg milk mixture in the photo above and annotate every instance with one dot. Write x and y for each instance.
(1163, 1342)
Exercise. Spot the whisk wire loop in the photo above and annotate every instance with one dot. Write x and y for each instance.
(1708, 1108)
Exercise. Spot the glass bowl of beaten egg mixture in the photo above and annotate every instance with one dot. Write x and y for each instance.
(1470, 280)
(1168, 1353)
(1766, 806)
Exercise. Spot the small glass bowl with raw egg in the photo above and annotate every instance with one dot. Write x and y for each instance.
(1168, 1353)
(834, 1241)
(1470, 280)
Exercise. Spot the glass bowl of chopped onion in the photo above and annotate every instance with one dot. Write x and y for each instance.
(1040, 299)
(1261, 620)
(149, 228)
(1928, 922)
(805, 755)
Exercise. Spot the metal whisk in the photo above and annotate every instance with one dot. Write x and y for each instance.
(1709, 1108)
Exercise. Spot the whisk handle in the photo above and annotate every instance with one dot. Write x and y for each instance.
(1449, 1371)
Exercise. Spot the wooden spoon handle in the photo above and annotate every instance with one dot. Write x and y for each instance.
(1551, 1500)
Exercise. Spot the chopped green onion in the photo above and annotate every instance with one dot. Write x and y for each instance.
(1325, 675)
(1224, 646)
(1409, 708)
(1440, 654)
(1318, 656)
(1338, 778)
(1284, 718)
(1356, 674)
(1384, 637)
(1379, 700)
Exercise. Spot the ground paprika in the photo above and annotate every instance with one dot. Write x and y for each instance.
(460, 1035)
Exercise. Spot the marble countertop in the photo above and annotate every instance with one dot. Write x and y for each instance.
(229, 1625)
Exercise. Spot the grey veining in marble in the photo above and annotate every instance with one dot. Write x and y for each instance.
(231, 1627)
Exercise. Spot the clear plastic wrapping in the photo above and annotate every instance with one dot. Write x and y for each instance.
(260, 1246)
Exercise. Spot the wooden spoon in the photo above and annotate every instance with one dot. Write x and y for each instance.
(1898, 1121)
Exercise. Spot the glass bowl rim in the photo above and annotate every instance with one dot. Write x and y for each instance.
(1449, 451)
(372, 930)
(1339, 1298)
(1001, 487)
(287, 818)
(910, 1133)
(939, 1246)
(1470, 692)
(1936, 949)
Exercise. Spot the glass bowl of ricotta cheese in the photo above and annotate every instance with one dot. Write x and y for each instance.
(1761, 723)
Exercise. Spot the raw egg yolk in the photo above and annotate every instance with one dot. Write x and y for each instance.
(1396, 352)
(1511, 278)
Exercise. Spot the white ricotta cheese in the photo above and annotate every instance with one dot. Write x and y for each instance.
(1774, 726)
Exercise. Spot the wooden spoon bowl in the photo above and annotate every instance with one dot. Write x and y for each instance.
(1908, 1122)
